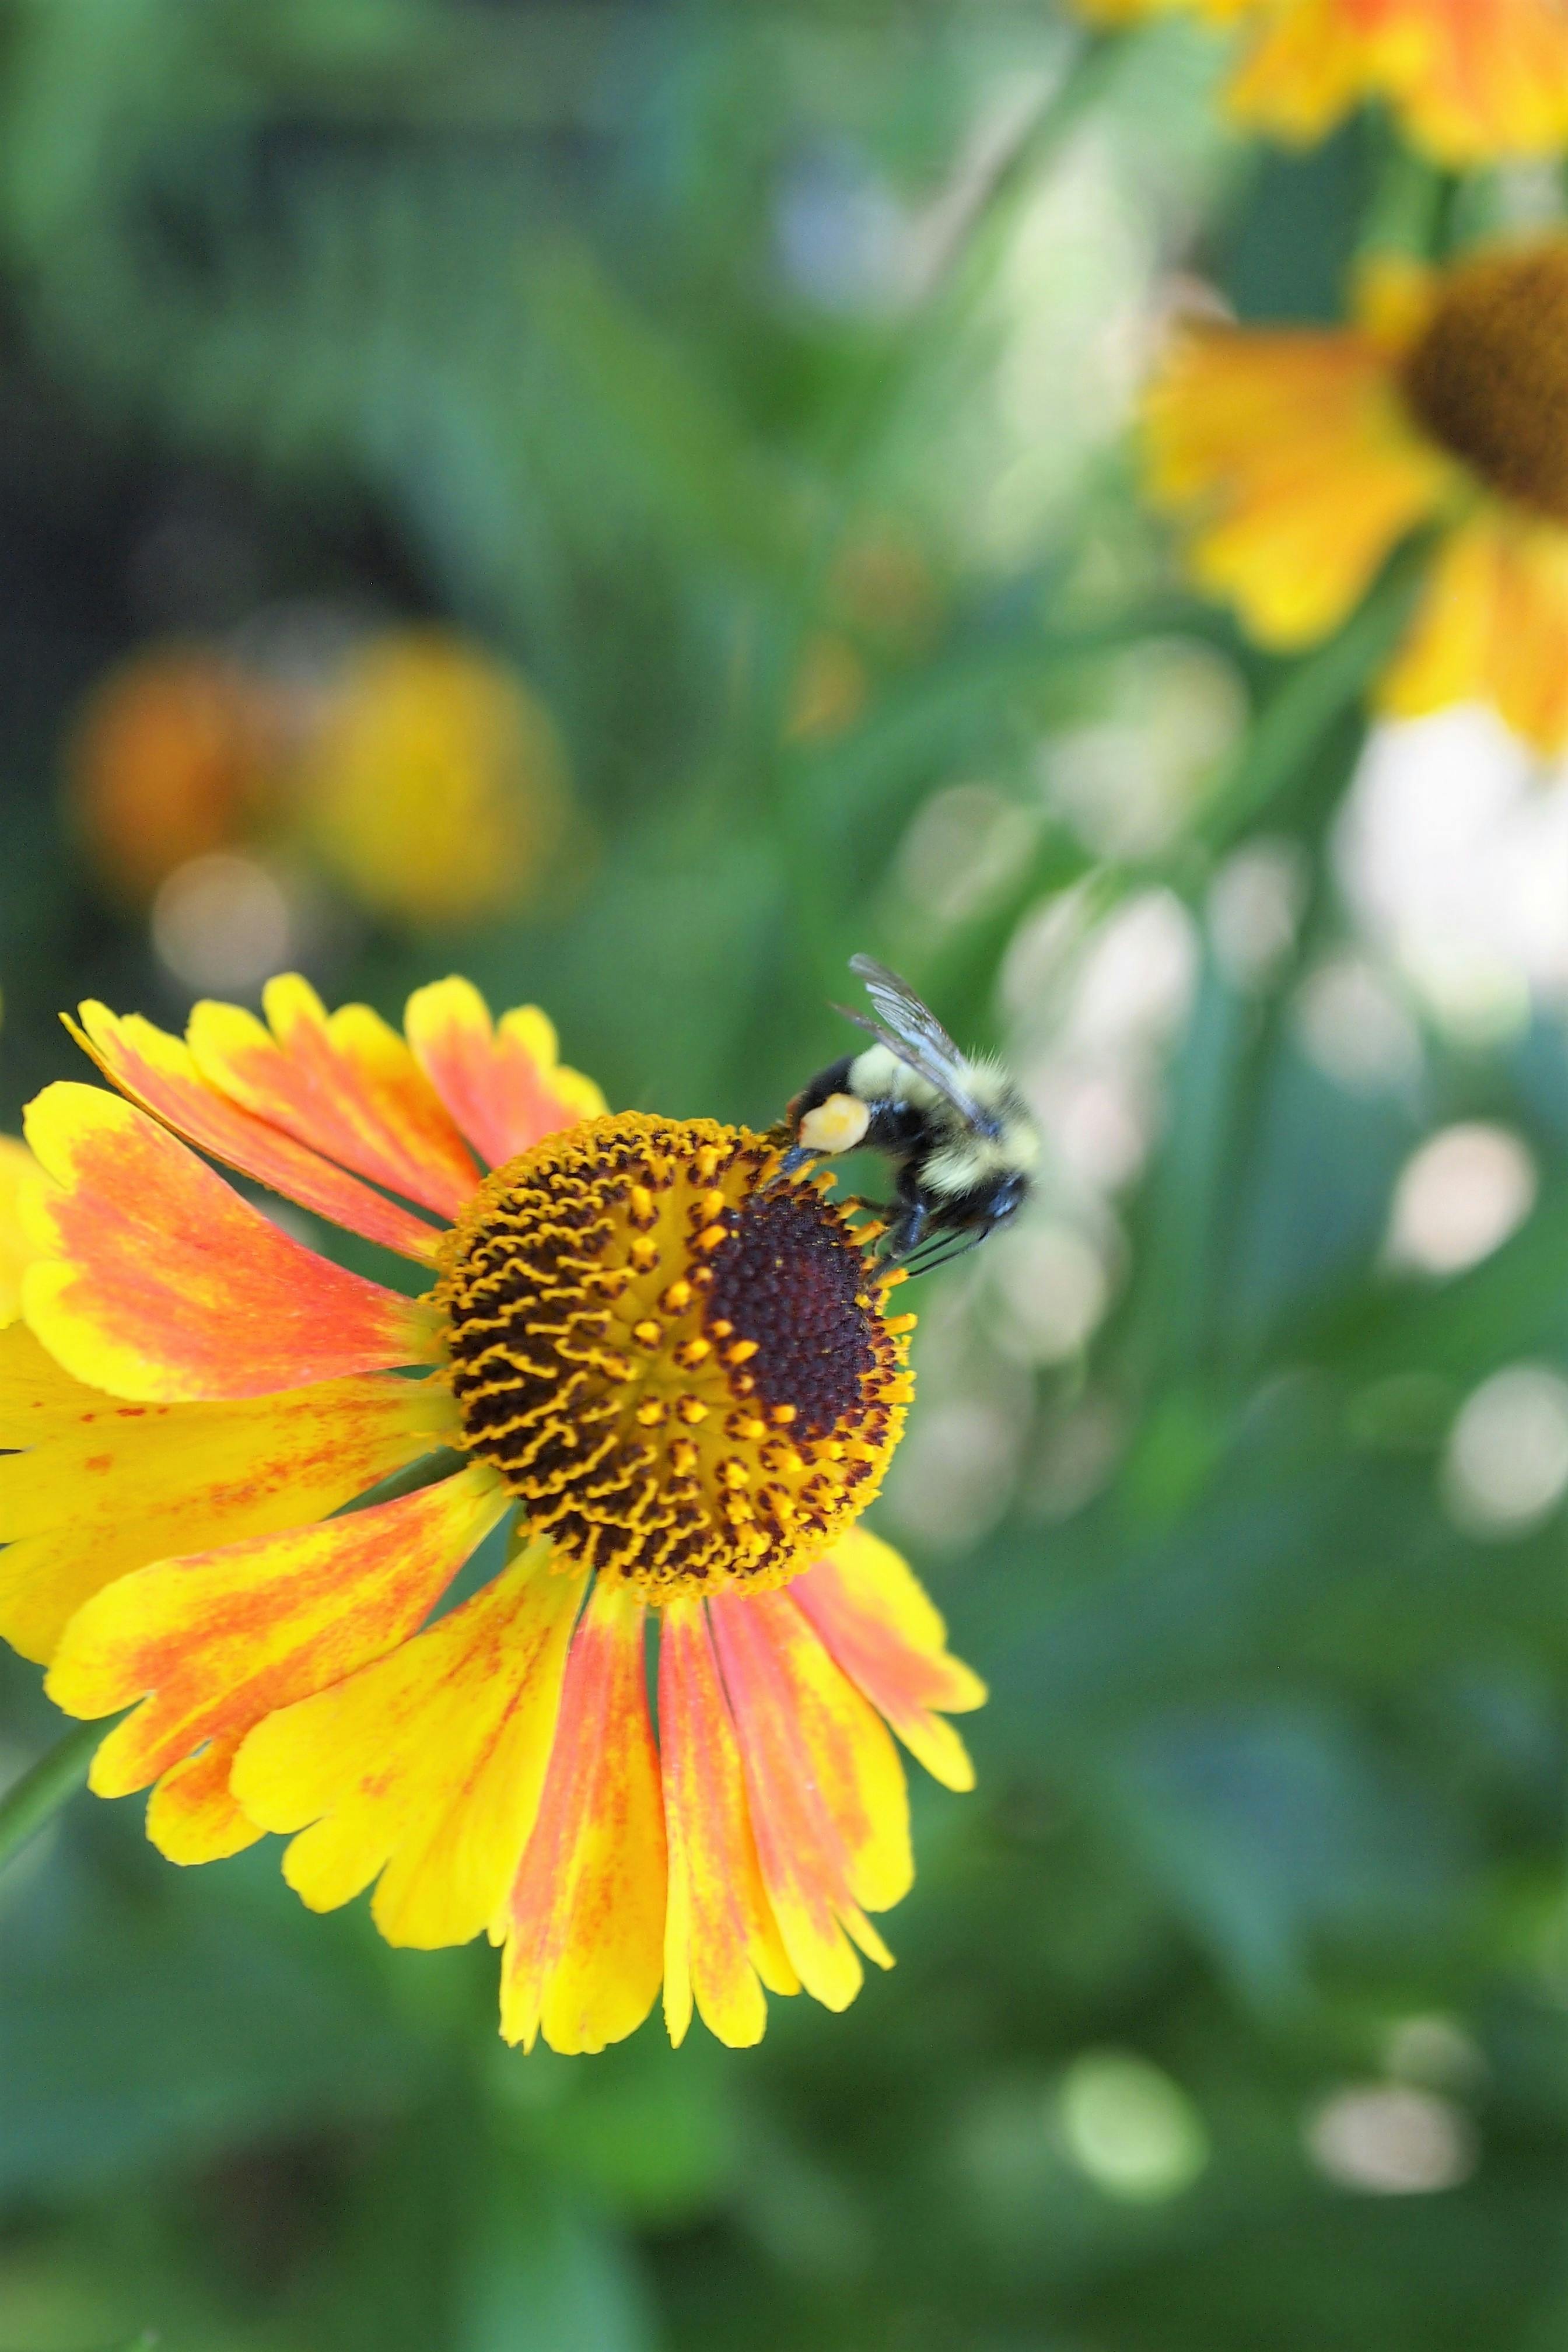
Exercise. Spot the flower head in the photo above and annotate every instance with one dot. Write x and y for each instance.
(1470, 80)
(1301, 459)
(672, 1374)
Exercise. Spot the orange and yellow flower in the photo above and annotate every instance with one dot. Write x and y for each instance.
(245, 1479)
(1300, 460)
(1468, 81)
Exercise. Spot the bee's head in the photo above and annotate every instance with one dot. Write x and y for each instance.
(1006, 1197)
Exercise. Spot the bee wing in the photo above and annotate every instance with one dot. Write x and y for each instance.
(912, 1031)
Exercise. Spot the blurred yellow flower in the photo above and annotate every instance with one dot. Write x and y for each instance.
(433, 787)
(167, 762)
(1301, 458)
(1469, 79)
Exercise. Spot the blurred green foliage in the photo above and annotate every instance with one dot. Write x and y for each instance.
(659, 346)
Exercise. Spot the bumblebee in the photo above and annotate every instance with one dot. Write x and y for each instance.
(957, 1131)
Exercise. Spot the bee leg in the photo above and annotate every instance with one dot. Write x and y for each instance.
(907, 1231)
(794, 1158)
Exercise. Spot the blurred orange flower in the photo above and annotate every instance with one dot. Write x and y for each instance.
(171, 759)
(1301, 459)
(1470, 80)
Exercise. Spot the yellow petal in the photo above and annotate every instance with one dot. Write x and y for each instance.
(212, 1643)
(425, 1766)
(119, 1485)
(1292, 455)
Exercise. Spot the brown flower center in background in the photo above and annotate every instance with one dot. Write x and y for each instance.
(1488, 378)
(686, 1379)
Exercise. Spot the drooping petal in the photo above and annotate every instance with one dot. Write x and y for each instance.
(826, 1790)
(890, 1641)
(584, 1921)
(113, 1486)
(343, 1083)
(502, 1083)
(157, 1282)
(1492, 626)
(1527, 673)
(1292, 455)
(425, 1766)
(721, 1941)
(212, 1643)
(160, 1073)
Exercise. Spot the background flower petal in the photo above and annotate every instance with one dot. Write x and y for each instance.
(1298, 468)
(158, 1283)
(584, 1921)
(213, 1643)
(426, 1766)
(502, 1083)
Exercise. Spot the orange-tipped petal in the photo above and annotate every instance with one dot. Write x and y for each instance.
(157, 1282)
(1475, 79)
(160, 1073)
(502, 1083)
(584, 1921)
(212, 1643)
(110, 1486)
(890, 1641)
(425, 1766)
(343, 1083)
(828, 1805)
(721, 1941)
(1472, 81)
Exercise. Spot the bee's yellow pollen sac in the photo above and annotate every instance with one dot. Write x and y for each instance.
(837, 1124)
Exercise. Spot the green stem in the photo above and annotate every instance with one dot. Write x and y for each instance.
(30, 1803)
(423, 1473)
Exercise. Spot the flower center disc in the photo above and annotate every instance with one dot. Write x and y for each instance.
(1488, 378)
(686, 1379)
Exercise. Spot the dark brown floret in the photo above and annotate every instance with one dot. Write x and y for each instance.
(1488, 378)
